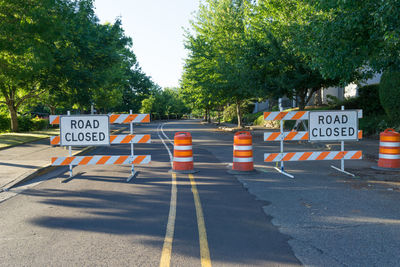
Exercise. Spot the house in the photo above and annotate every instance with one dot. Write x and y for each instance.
(349, 91)
(322, 96)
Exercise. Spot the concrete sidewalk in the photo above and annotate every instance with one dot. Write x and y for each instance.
(20, 163)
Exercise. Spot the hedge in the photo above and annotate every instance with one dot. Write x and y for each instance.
(25, 124)
(389, 94)
(367, 100)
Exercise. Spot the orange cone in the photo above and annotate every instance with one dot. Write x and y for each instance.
(183, 153)
(389, 149)
(243, 152)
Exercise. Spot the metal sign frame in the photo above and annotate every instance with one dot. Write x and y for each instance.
(287, 136)
(96, 159)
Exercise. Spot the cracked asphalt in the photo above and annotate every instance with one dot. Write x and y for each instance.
(332, 219)
(319, 218)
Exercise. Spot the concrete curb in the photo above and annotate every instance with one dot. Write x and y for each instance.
(48, 168)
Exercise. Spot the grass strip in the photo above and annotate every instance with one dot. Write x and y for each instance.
(14, 139)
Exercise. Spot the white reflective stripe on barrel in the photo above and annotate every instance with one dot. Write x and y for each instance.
(185, 159)
(389, 144)
(389, 156)
(182, 147)
(242, 147)
(250, 159)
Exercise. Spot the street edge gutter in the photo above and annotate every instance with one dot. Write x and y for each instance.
(48, 168)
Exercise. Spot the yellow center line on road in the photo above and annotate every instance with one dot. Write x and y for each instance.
(204, 251)
(169, 234)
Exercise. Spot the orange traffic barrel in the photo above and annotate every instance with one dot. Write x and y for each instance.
(243, 152)
(183, 153)
(389, 149)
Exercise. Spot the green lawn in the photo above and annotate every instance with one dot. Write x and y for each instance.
(13, 139)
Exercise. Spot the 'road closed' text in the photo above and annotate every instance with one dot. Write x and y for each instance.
(84, 130)
(333, 125)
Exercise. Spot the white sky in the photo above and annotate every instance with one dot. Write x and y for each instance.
(155, 27)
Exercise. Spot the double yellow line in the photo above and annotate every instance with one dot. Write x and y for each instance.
(169, 235)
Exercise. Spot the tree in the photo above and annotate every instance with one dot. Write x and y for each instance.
(283, 69)
(100, 66)
(56, 51)
(389, 94)
(29, 30)
(350, 40)
(215, 66)
(165, 102)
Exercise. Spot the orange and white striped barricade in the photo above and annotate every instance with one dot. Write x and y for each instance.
(317, 155)
(100, 160)
(183, 153)
(389, 149)
(114, 118)
(113, 139)
(305, 135)
(293, 136)
(242, 153)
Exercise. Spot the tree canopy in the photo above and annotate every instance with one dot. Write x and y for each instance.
(56, 51)
(243, 49)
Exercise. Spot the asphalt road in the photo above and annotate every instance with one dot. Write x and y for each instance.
(320, 218)
(98, 219)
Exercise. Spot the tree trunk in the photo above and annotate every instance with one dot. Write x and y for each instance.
(239, 113)
(52, 110)
(205, 114)
(304, 99)
(209, 116)
(302, 102)
(14, 118)
(318, 98)
(302, 94)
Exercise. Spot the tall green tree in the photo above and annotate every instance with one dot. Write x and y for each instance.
(284, 69)
(352, 40)
(29, 30)
(216, 48)
(58, 52)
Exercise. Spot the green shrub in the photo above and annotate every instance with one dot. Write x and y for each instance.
(24, 123)
(259, 120)
(39, 124)
(389, 94)
(250, 118)
(369, 100)
(350, 103)
(229, 114)
(4, 123)
(373, 125)
(269, 124)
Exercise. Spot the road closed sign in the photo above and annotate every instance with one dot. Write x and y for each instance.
(81, 130)
(333, 125)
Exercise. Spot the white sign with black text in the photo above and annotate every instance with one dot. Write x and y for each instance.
(333, 125)
(84, 130)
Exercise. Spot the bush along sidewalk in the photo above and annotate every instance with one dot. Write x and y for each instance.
(25, 123)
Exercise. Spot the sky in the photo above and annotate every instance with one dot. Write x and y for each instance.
(156, 29)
